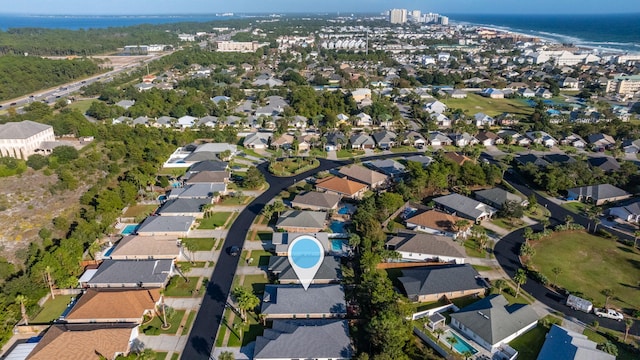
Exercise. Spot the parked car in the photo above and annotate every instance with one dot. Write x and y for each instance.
(608, 313)
(578, 303)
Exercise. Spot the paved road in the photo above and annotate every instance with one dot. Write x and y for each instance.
(507, 250)
(202, 337)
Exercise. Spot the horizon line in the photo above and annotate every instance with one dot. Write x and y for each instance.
(306, 13)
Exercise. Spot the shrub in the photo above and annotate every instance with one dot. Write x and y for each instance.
(37, 161)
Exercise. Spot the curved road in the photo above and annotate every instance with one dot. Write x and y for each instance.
(203, 333)
(508, 248)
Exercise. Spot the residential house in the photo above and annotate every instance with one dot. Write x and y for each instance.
(388, 166)
(631, 146)
(511, 137)
(544, 93)
(433, 283)
(600, 141)
(385, 139)
(178, 226)
(437, 223)
(361, 94)
(267, 80)
(531, 159)
(342, 118)
(570, 83)
(456, 157)
(507, 119)
(435, 107)
(441, 120)
(574, 140)
(488, 138)
(526, 92)
(125, 104)
(496, 197)
(564, 344)
(257, 140)
(186, 121)
(422, 159)
(597, 194)
(285, 141)
(23, 139)
(414, 246)
(604, 163)
(492, 93)
(134, 247)
(465, 207)
(458, 94)
(85, 341)
(342, 187)
(207, 177)
(302, 221)
(629, 212)
(363, 120)
(373, 179)
(281, 240)
(414, 139)
(436, 138)
(334, 140)
(483, 120)
(542, 138)
(132, 274)
(464, 139)
(305, 339)
(294, 302)
(328, 272)
(317, 201)
(185, 207)
(362, 141)
(492, 322)
(199, 190)
(113, 306)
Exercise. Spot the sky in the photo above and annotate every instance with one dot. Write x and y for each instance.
(146, 7)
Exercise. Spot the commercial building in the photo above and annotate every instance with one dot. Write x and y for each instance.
(398, 16)
(23, 139)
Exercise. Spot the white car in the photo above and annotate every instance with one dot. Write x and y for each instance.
(609, 313)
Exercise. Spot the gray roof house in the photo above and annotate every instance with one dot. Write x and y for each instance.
(605, 163)
(362, 141)
(197, 191)
(257, 140)
(359, 173)
(302, 221)
(414, 246)
(133, 273)
(496, 197)
(209, 165)
(422, 159)
(329, 271)
(385, 139)
(465, 207)
(314, 200)
(388, 166)
(492, 322)
(437, 138)
(184, 207)
(166, 225)
(294, 302)
(629, 212)
(431, 283)
(305, 339)
(598, 194)
(281, 240)
(563, 344)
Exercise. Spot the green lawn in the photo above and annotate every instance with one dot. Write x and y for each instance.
(255, 283)
(180, 171)
(625, 351)
(195, 264)
(264, 235)
(234, 200)
(292, 166)
(81, 105)
(178, 287)
(52, 309)
(200, 244)
(189, 322)
(155, 326)
(345, 153)
(319, 153)
(598, 264)
(475, 103)
(403, 149)
(530, 343)
(575, 206)
(260, 257)
(244, 333)
(471, 247)
(139, 210)
(234, 215)
(482, 268)
(215, 220)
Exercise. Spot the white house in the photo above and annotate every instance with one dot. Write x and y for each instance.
(542, 138)
(435, 107)
(23, 139)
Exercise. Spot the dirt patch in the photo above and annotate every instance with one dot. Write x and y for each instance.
(30, 206)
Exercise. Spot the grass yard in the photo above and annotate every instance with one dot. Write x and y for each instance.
(625, 351)
(215, 220)
(264, 235)
(155, 326)
(600, 264)
(471, 247)
(255, 283)
(403, 149)
(233, 200)
(345, 153)
(319, 153)
(173, 171)
(292, 166)
(52, 309)
(81, 105)
(178, 287)
(483, 268)
(575, 206)
(189, 322)
(244, 333)
(475, 103)
(260, 257)
(199, 244)
(139, 210)
(530, 343)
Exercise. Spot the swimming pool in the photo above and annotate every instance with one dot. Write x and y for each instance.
(336, 245)
(162, 198)
(108, 252)
(460, 345)
(129, 229)
(337, 226)
(343, 210)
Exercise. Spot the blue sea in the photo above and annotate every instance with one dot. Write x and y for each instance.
(613, 32)
(75, 22)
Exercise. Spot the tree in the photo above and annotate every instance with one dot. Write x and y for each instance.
(461, 224)
(37, 161)
(253, 178)
(65, 154)
(609, 348)
(556, 271)
(226, 355)
(245, 300)
(438, 332)
(628, 323)
(22, 300)
(49, 280)
(190, 245)
(520, 279)
(467, 354)
(568, 220)
(452, 341)
(636, 235)
(608, 293)
(500, 284)
(511, 209)
(527, 233)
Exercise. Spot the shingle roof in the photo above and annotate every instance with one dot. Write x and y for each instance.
(21, 130)
(83, 341)
(107, 304)
(159, 224)
(440, 279)
(316, 199)
(428, 244)
(281, 240)
(563, 344)
(146, 246)
(493, 319)
(387, 166)
(531, 159)
(181, 206)
(294, 299)
(329, 269)
(305, 339)
(464, 206)
(208, 177)
(210, 165)
(303, 219)
(132, 272)
(340, 185)
(456, 158)
(599, 192)
(605, 163)
(200, 190)
(363, 175)
(201, 156)
(435, 220)
(497, 196)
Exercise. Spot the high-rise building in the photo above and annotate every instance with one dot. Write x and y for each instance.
(398, 16)
(444, 20)
(415, 15)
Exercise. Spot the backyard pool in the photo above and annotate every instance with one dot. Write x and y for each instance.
(129, 229)
(337, 245)
(343, 210)
(461, 346)
(108, 252)
(337, 226)
(162, 198)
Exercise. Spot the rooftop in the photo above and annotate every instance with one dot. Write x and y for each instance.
(440, 279)
(341, 185)
(302, 219)
(97, 304)
(421, 243)
(295, 300)
(317, 199)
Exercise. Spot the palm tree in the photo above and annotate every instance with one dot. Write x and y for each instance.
(23, 309)
(636, 235)
(452, 340)
(500, 284)
(438, 332)
(568, 220)
(467, 354)
(556, 271)
(226, 355)
(608, 293)
(163, 308)
(628, 323)
(93, 249)
(545, 223)
(520, 279)
(596, 222)
(49, 280)
(246, 301)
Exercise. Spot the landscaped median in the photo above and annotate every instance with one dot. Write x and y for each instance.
(292, 166)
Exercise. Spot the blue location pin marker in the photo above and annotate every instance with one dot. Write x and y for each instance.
(306, 254)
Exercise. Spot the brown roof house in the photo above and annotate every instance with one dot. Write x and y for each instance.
(84, 341)
(113, 306)
(456, 158)
(414, 246)
(437, 223)
(343, 187)
(148, 247)
(314, 200)
(431, 283)
(371, 178)
(301, 221)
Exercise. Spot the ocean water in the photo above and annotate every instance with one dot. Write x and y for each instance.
(618, 32)
(75, 22)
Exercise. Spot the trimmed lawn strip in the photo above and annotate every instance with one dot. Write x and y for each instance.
(222, 330)
(233, 200)
(482, 268)
(189, 322)
(530, 343)
(603, 264)
(475, 103)
(201, 244)
(178, 287)
(155, 326)
(471, 247)
(195, 264)
(345, 153)
(139, 210)
(233, 218)
(175, 356)
(52, 309)
(574, 206)
(215, 220)
(255, 283)
(260, 257)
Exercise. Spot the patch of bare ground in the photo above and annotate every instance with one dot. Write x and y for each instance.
(30, 206)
